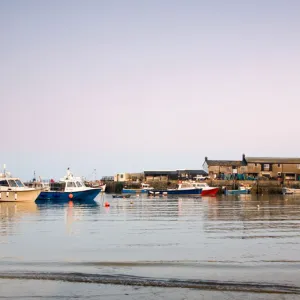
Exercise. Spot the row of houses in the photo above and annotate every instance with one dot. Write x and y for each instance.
(246, 168)
(254, 167)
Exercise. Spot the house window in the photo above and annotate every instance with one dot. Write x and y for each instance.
(278, 165)
(121, 176)
(255, 165)
(266, 167)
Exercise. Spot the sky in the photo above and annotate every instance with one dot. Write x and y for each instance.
(126, 86)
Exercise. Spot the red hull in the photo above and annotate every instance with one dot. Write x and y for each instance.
(210, 192)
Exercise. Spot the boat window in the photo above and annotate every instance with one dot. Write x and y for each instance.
(78, 184)
(3, 183)
(12, 183)
(19, 183)
(71, 184)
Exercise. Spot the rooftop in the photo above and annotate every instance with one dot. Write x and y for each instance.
(283, 160)
(225, 163)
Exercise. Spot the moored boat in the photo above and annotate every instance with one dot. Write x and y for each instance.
(145, 187)
(290, 191)
(70, 188)
(12, 189)
(206, 189)
(240, 191)
(182, 189)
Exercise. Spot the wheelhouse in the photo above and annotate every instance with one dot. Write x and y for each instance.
(12, 183)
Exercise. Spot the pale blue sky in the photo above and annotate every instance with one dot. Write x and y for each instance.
(124, 86)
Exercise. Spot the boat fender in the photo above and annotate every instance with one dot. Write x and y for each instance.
(70, 196)
(16, 196)
(0, 195)
(7, 194)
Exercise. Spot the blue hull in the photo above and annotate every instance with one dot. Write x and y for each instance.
(176, 192)
(134, 191)
(236, 192)
(82, 196)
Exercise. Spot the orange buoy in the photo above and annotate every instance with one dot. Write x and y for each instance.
(70, 196)
(106, 204)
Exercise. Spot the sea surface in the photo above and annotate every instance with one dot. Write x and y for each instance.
(224, 247)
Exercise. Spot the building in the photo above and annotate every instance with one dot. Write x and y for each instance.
(274, 167)
(129, 177)
(121, 177)
(191, 174)
(174, 175)
(224, 169)
(254, 167)
(160, 175)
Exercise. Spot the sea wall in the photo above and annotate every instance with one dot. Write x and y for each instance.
(257, 187)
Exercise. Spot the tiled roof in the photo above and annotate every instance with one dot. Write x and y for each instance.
(225, 162)
(162, 173)
(276, 160)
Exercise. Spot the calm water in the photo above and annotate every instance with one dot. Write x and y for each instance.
(150, 248)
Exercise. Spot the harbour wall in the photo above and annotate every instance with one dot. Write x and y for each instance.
(257, 186)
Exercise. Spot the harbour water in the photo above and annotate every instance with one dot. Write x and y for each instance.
(225, 247)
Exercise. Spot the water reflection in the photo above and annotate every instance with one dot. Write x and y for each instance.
(224, 238)
(253, 217)
(11, 214)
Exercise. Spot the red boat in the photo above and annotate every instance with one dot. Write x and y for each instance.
(206, 189)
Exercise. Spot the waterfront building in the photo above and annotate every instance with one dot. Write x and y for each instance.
(254, 167)
(182, 174)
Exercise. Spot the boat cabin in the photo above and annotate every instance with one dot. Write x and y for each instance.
(11, 183)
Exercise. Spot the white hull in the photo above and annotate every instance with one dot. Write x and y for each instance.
(290, 191)
(29, 195)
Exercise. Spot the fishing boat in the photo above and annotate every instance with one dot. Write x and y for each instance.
(145, 187)
(206, 189)
(290, 191)
(12, 189)
(182, 189)
(69, 188)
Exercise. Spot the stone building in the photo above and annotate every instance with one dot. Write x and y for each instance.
(254, 167)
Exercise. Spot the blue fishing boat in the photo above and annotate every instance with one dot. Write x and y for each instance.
(144, 189)
(69, 188)
(241, 191)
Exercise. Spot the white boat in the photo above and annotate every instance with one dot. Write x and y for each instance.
(12, 189)
(290, 191)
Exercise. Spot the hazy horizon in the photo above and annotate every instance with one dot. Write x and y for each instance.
(127, 86)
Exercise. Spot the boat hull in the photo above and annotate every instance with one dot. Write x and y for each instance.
(81, 196)
(176, 192)
(210, 192)
(134, 191)
(20, 196)
(290, 191)
(236, 192)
